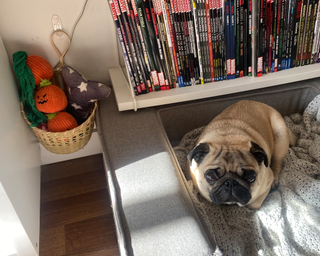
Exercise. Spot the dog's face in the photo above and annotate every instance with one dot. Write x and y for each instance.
(230, 173)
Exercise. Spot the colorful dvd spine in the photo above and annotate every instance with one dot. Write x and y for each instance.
(217, 40)
(127, 44)
(165, 40)
(186, 40)
(288, 32)
(132, 4)
(296, 33)
(181, 45)
(312, 30)
(245, 37)
(173, 40)
(267, 36)
(309, 29)
(286, 36)
(192, 42)
(141, 47)
(209, 40)
(158, 29)
(301, 31)
(123, 47)
(167, 43)
(277, 40)
(306, 33)
(237, 35)
(145, 36)
(281, 33)
(241, 51)
(228, 43)
(197, 33)
(232, 40)
(274, 34)
(261, 35)
(156, 52)
(178, 43)
(316, 41)
(293, 9)
(133, 47)
(213, 17)
(284, 56)
(250, 37)
(188, 27)
(222, 40)
(205, 42)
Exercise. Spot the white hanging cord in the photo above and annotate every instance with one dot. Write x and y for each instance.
(76, 24)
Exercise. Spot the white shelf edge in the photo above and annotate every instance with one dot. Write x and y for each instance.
(182, 94)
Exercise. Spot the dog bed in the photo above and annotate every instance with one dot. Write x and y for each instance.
(288, 223)
(153, 204)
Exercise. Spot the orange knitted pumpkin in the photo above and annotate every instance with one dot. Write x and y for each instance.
(50, 99)
(40, 68)
(61, 122)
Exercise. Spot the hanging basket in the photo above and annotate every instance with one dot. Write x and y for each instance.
(65, 142)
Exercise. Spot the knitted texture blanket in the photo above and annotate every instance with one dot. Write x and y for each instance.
(288, 223)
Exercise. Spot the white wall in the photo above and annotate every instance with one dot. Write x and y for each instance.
(19, 169)
(13, 236)
(26, 25)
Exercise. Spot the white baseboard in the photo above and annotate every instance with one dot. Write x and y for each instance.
(92, 148)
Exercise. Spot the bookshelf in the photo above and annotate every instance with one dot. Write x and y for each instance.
(127, 100)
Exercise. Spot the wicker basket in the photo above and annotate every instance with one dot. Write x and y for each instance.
(65, 142)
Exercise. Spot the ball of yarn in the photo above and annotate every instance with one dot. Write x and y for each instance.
(61, 122)
(50, 98)
(40, 68)
(43, 126)
(26, 87)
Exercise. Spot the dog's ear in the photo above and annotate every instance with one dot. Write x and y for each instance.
(259, 154)
(199, 152)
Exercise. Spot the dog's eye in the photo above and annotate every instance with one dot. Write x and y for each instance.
(211, 175)
(249, 176)
(199, 157)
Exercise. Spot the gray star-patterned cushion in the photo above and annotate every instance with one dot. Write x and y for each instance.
(83, 93)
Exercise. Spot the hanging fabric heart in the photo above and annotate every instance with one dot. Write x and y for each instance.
(57, 76)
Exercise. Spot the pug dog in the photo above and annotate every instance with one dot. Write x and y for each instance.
(238, 156)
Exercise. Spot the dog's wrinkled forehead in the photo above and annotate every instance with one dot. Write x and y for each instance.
(227, 155)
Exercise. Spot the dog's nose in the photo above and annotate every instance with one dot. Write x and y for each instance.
(230, 183)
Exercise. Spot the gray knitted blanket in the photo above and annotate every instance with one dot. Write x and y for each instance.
(288, 223)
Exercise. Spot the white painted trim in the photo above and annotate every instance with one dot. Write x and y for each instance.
(19, 169)
(13, 237)
(125, 101)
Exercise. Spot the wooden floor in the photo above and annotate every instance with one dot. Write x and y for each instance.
(76, 217)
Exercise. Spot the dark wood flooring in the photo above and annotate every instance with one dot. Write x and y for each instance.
(76, 216)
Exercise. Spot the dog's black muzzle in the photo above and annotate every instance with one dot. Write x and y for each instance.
(230, 192)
